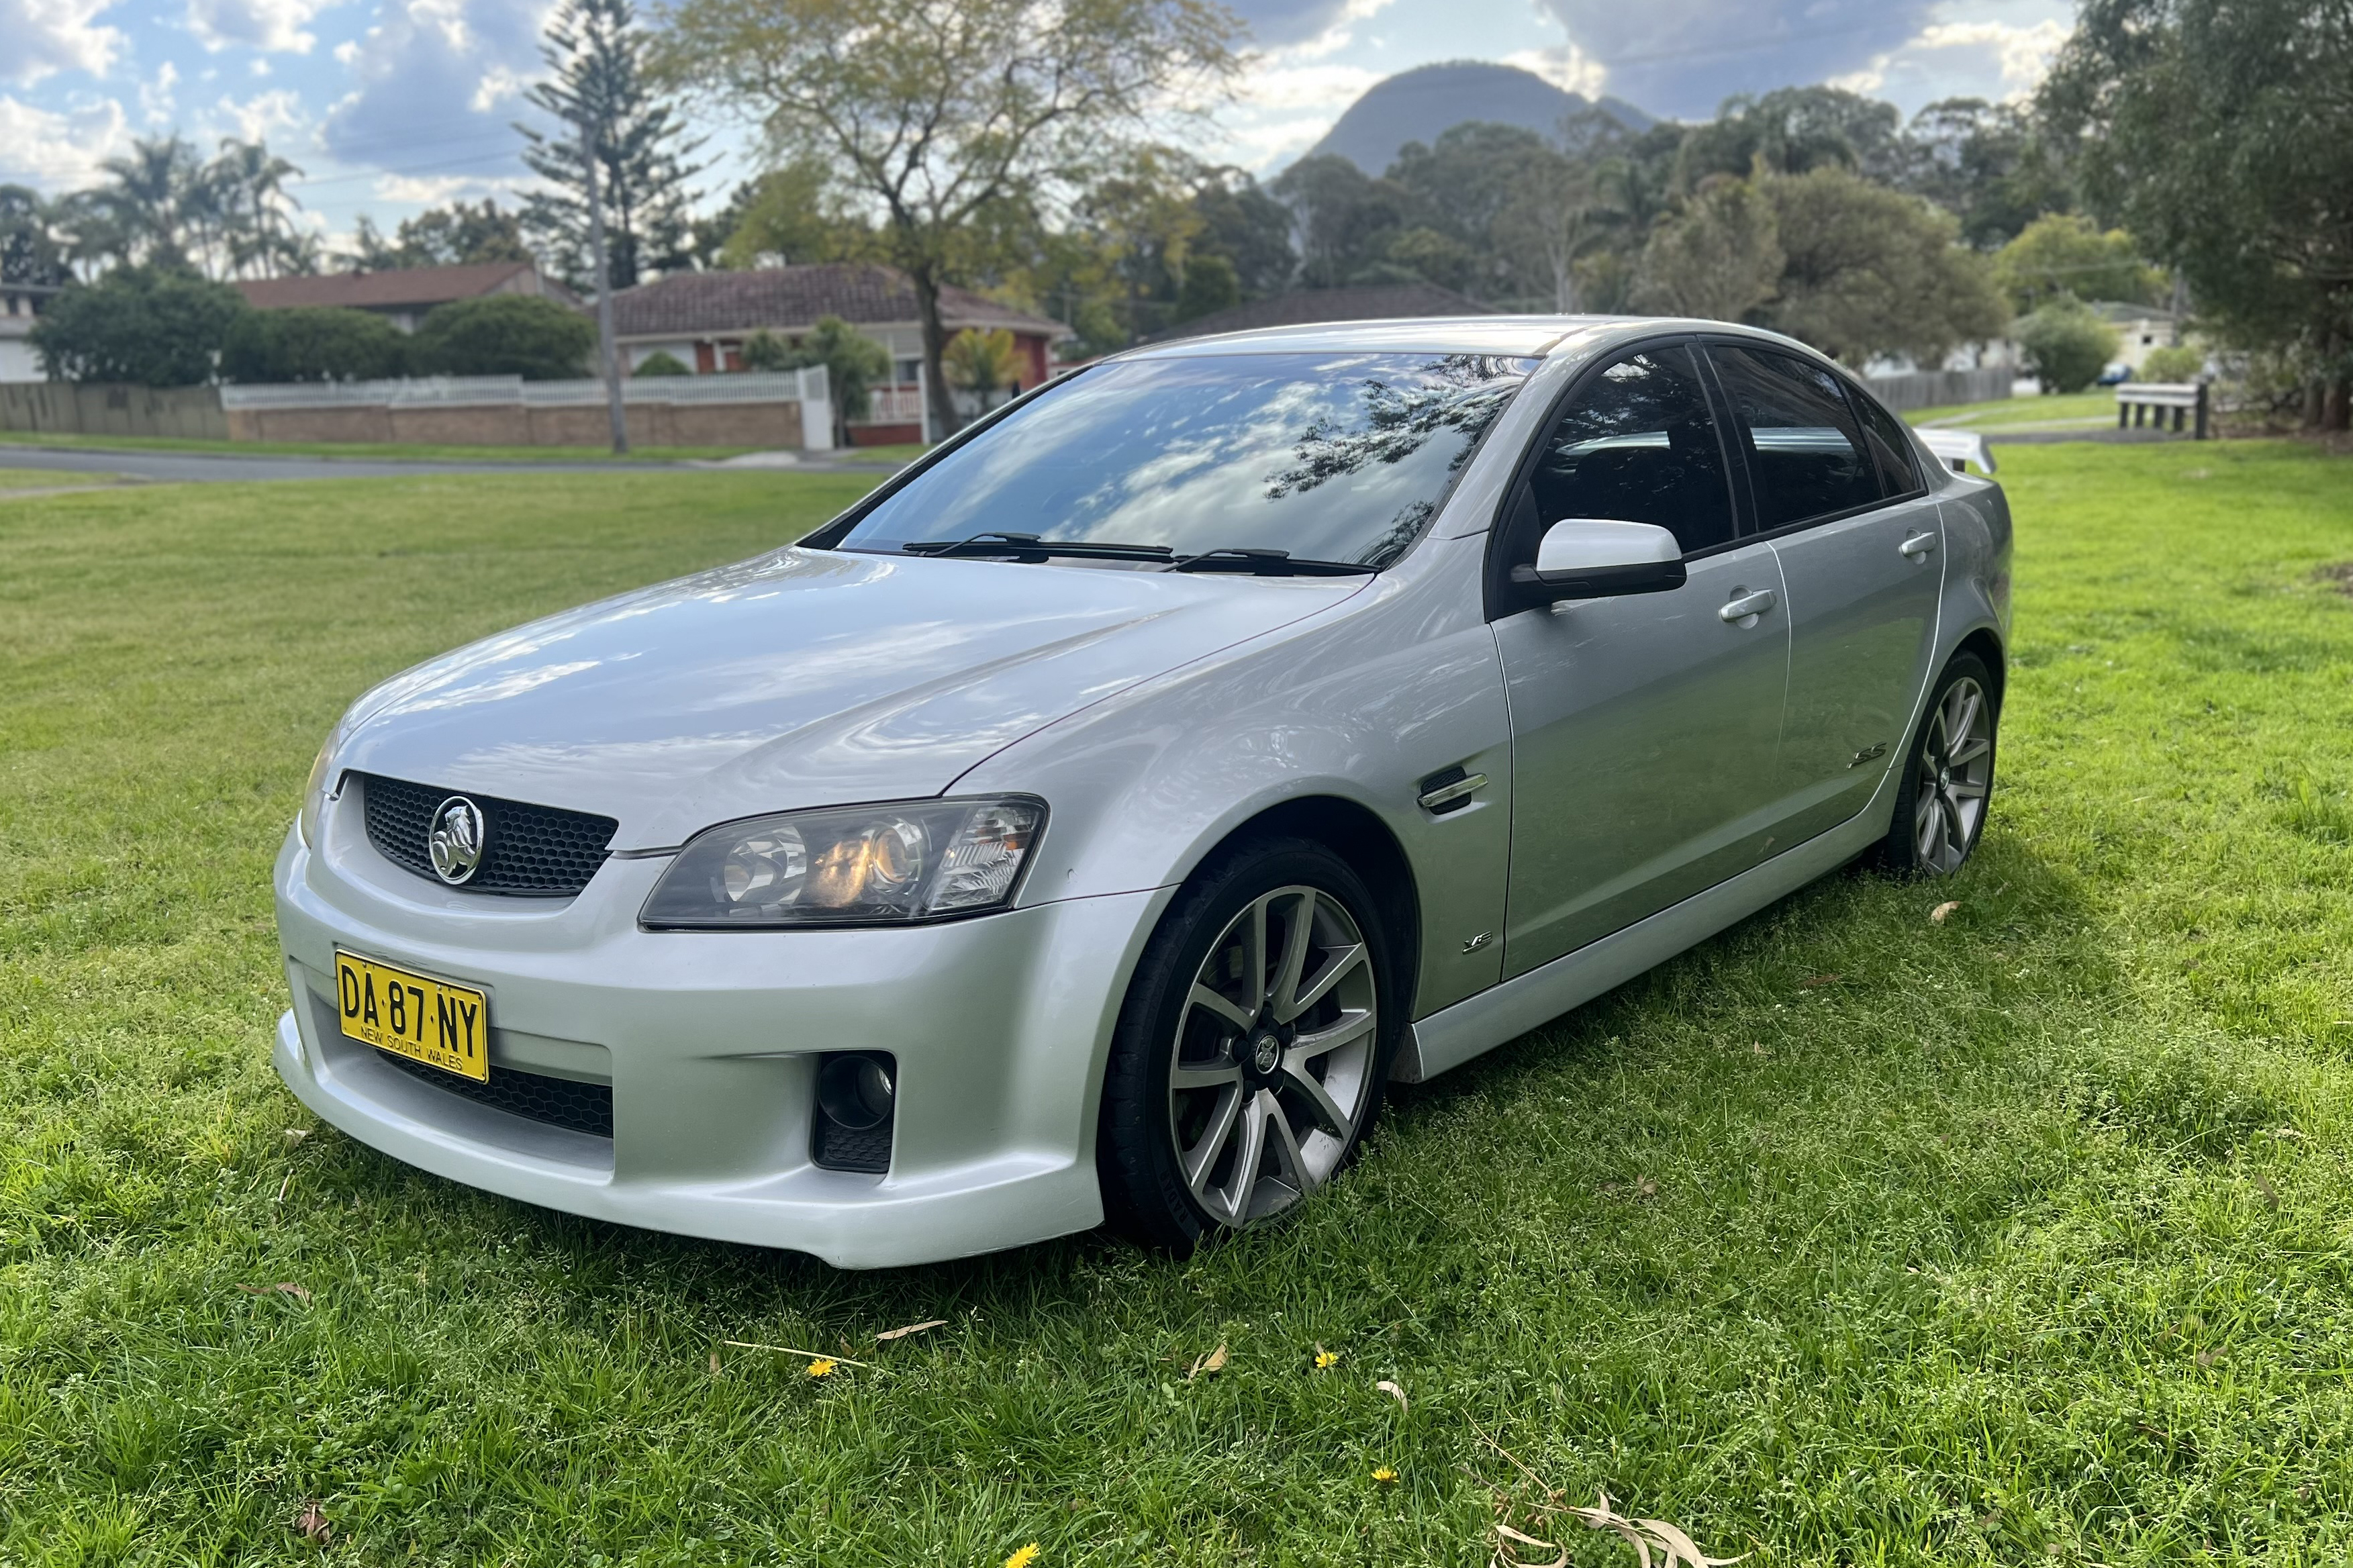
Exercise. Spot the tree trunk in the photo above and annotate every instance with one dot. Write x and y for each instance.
(935, 342)
(2337, 407)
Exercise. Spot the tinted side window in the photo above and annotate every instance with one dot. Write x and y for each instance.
(1803, 450)
(1890, 447)
(1638, 445)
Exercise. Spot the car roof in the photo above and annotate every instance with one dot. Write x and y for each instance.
(1529, 337)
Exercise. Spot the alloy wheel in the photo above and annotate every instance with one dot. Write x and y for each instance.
(1956, 771)
(1270, 1072)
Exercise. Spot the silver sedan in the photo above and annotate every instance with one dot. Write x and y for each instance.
(1089, 824)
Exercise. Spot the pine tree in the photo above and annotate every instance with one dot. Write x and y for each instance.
(596, 53)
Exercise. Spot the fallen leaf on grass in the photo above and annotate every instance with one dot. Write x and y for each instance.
(281, 1289)
(1936, 916)
(1214, 1361)
(1649, 1535)
(1811, 981)
(1394, 1392)
(2270, 1193)
(2287, 1132)
(714, 1364)
(889, 1334)
(1504, 1532)
(312, 1524)
(294, 1136)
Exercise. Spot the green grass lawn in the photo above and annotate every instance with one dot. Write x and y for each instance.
(419, 452)
(1852, 1236)
(2085, 408)
(49, 478)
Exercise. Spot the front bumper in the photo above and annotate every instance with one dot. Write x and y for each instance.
(708, 1041)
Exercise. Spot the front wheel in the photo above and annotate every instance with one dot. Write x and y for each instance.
(1947, 778)
(1253, 1048)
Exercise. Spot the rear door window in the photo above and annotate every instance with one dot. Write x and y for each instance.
(1638, 445)
(1890, 444)
(1806, 457)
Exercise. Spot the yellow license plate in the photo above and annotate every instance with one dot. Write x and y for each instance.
(415, 1016)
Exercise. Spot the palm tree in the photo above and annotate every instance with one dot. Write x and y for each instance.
(152, 196)
(251, 181)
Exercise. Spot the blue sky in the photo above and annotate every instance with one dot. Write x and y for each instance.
(393, 105)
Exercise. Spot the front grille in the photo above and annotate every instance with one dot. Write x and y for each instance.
(558, 1101)
(530, 851)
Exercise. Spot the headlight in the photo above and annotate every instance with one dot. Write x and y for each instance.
(859, 865)
(314, 797)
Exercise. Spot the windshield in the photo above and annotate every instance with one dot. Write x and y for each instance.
(1329, 457)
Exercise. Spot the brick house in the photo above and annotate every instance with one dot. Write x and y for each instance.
(701, 319)
(404, 294)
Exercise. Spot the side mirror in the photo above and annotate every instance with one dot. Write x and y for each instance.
(1593, 558)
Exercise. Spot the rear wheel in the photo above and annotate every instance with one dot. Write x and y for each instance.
(1948, 779)
(1252, 1050)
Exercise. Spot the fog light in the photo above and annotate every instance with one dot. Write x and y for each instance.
(855, 1092)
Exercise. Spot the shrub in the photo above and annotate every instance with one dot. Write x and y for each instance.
(661, 362)
(313, 343)
(138, 324)
(765, 350)
(2067, 345)
(2178, 364)
(505, 334)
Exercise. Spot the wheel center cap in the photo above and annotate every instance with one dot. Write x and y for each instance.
(1944, 778)
(1266, 1055)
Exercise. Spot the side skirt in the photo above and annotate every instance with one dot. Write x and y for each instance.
(1452, 1036)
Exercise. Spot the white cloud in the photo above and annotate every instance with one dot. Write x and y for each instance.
(432, 80)
(42, 38)
(264, 116)
(497, 85)
(156, 104)
(1686, 56)
(274, 25)
(1332, 88)
(1989, 60)
(56, 150)
(1568, 67)
(438, 190)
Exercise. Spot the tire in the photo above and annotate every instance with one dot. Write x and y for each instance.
(1172, 1152)
(1946, 787)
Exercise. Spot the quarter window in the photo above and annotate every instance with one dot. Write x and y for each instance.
(1804, 452)
(1640, 446)
(1890, 447)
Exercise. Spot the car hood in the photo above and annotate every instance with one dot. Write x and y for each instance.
(803, 677)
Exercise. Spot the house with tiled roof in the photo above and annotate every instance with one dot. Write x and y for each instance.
(404, 294)
(702, 320)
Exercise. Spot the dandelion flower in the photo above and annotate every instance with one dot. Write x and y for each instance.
(1325, 1359)
(1385, 1476)
(820, 1367)
(1023, 1558)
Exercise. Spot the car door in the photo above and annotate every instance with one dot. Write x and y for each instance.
(1644, 728)
(1841, 497)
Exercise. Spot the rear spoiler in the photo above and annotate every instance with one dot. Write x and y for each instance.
(1957, 448)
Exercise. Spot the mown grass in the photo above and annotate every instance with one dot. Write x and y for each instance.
(416, 452)
(1851, 1236)
(2024, 413)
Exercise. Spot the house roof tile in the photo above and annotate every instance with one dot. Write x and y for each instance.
(791, 299)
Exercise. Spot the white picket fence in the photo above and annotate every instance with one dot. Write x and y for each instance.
(806, 386)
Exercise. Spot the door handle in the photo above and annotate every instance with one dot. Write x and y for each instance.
(1917, 546)
(1748, 606)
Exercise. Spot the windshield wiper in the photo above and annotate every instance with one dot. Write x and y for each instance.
(1268, 563)
(1029, 547)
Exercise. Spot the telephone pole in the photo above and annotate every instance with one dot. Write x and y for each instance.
(603, 263)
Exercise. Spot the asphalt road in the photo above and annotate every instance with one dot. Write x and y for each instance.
(183, 468)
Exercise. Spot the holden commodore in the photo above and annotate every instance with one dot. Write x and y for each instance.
(1090, 823)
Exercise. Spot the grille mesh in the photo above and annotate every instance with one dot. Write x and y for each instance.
(533, 851)
(558, 1101)
(836, 1148)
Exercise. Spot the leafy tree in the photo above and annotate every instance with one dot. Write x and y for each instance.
(458, 235)
(144, 325)
(932, 112)
(854, 364)
(32, 250)
(313, 344)
(982, 361)
(2221, 133)
(597, 53)
(2066, 345)
(2176, 362)
(1986, 163)
(506, 334)
(245, 193)
(2065, 253)
(765, 350)
(1720, 258)
(1870, 271)
(661, 362)
(1345, 219)
(789, 215)
(1793, 130)
(161, 206)
(1211, 285)
(1248, 228)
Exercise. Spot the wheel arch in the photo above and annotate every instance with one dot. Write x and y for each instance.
(1357, 835)
(1986, 643)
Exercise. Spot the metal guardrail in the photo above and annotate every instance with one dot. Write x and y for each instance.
(805, 385)
(2188, 401)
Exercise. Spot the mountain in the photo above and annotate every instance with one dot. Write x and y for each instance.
(1415, 105)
